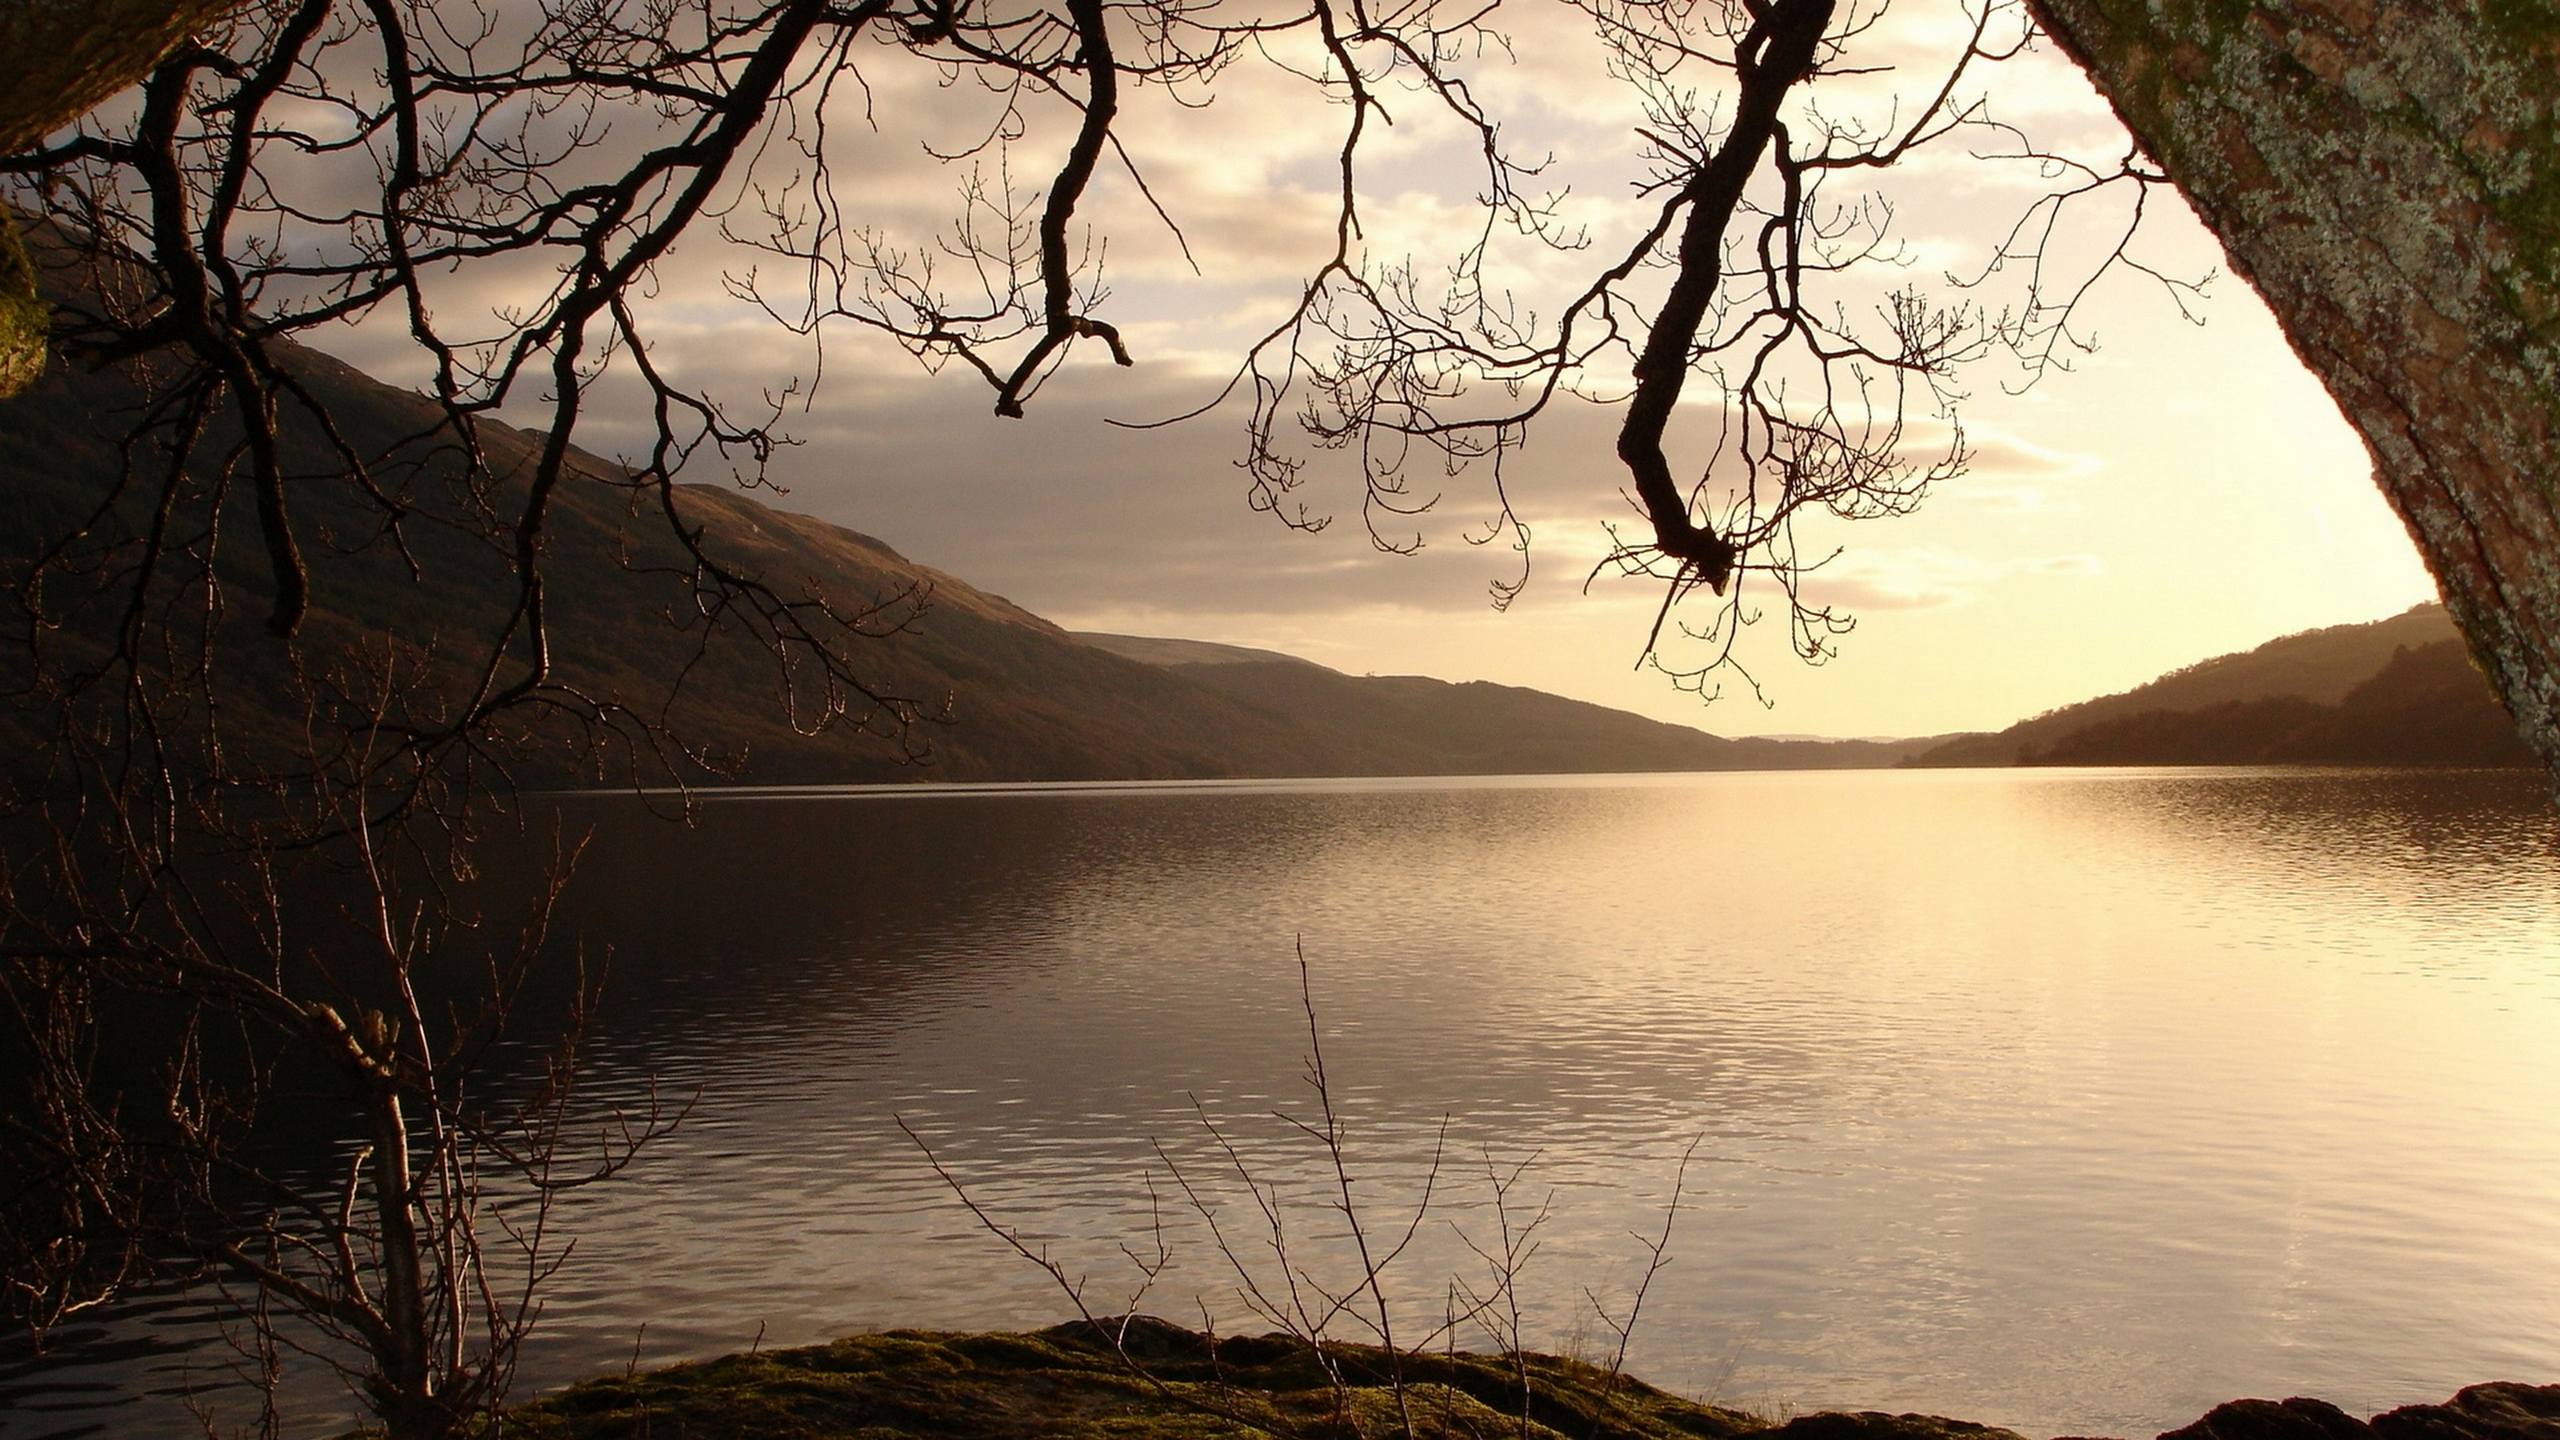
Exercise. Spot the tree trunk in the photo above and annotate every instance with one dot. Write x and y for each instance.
(57, 59)
(406, 1398)
(2387, 173)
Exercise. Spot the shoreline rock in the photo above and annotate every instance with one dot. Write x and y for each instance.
(2501, 1410)
(1069, 1383)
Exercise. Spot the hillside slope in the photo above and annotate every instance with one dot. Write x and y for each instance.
(1009, 695)
(2399, 691)
(1477, 727)
(1023, 699)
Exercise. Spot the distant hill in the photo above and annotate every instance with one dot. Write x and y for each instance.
(2400, 691)
(1026, 700)
(1016, 697)
(1416, 725)
(1152, 650)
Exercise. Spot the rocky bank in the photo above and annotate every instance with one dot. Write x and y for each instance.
(1069, 1383)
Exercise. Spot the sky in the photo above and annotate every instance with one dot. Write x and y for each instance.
(2186, 489)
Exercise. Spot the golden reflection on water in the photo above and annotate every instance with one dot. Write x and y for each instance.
(2069, 1101)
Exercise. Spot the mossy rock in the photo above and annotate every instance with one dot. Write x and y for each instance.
(24, 317)
(1070, 1383)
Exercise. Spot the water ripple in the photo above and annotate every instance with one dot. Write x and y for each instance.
(2074, 1102)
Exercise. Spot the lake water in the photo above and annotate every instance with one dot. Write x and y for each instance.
(2074, 1102)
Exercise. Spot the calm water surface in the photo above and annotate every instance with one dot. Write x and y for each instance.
(2069, 1101)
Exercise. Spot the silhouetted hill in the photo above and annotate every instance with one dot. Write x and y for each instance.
(1026, 700)
(1155, 650)
(2400, 691)
(1428, 726)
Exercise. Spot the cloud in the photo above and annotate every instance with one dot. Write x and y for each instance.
(2008, 455)
(1069, 514)
(1927, 578)
(1150, 529)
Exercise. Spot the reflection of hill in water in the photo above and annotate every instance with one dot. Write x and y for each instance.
(1566, 927)
(2007, 1079)
(2011, 1047)
(2451, 873)
(881, 916)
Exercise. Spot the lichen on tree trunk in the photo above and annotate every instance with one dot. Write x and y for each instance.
(2387, 173)
(23, 314)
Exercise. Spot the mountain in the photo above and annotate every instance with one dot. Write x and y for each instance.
(1156, 650)
(1008, 695)
(2401, 691)
(1423, 726)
